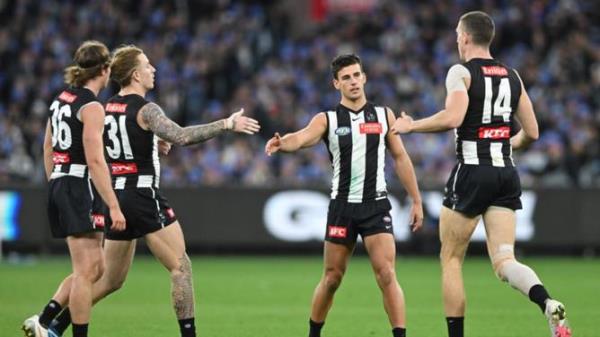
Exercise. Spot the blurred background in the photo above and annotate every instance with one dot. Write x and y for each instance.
(272, 58)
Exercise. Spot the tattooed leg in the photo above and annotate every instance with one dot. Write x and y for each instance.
(182, 289)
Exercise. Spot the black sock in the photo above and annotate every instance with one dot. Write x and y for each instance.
(455, 326)
(399, 332)
(50, 311)
(315, 328)
(187, 327)
(61, 322)
(539, 295)
(80, 330)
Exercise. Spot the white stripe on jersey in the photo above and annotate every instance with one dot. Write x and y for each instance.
(75, 170)
(92, 197)
(155, 161)
(144, 181)
(334, 148)
(496, 154)
(469, 152)
(120, 183)
(359, 157)
(382, 118)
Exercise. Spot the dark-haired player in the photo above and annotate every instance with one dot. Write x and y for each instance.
(484, 97)
(357, 136)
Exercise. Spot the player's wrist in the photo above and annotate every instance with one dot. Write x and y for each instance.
(228, 123)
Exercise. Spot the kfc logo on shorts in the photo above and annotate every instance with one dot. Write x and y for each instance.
(502, 132)
(336, 231)
(98, 220)
(170, 213)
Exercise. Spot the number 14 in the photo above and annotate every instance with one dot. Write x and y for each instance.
(502, 103)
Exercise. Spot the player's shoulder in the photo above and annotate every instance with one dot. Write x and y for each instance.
(75, 95)
(460, 69)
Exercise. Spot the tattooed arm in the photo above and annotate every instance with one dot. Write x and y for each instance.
(152, 117)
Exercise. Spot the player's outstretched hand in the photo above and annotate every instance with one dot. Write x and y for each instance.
(239, 123)
(118, 219)
(403, 124)
(273, 145)
(164, 147)
(416, 216)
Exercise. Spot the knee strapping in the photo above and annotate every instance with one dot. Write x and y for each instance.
(518, 275)
(504, 254)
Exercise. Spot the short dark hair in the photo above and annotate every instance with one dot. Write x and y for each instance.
(342, 61)
(481, 27)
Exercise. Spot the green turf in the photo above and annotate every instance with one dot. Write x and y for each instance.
(271, 296)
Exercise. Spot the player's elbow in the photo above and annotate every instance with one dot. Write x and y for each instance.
(533, 135)
(453, 122)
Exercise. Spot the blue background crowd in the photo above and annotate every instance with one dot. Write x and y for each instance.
(213, 57)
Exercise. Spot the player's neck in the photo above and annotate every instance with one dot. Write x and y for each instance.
(354, 105)
(94, 86)
(133, 89)
(478, 53)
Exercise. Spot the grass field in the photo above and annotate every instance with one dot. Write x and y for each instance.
(267, 297)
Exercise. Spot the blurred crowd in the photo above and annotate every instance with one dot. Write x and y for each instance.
(214, 57)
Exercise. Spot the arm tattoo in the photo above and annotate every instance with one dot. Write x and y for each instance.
(170, 131)
(182, 289)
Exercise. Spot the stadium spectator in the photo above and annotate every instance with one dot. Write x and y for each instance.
(244, 53)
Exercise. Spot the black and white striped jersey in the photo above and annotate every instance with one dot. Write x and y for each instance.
(67, 132)
(484, 136)
(356, 143)
(132, 152)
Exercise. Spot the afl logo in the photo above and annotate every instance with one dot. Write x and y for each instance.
(343, 131)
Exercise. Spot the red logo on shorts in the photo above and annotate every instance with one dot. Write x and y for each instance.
(337, 231)
(60, 158)
(170, 212)
(98, 220)
(502, 132)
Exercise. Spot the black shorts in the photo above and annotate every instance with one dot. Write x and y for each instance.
(345, 221)
(74, 207)
(471, 189)
(145, 211)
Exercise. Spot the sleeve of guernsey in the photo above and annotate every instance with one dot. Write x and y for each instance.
(455, 78)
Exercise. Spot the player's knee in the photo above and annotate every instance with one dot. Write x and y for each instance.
(100, 269)
(385, 276)
(450, 258)
(114, 284)
(183, 268)
(333, 279)
(90, 272)
(503, 256)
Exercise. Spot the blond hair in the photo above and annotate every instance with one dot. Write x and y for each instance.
(125, 60)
